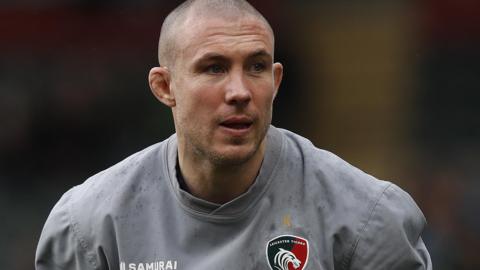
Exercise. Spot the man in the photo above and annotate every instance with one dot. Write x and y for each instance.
(229, 191)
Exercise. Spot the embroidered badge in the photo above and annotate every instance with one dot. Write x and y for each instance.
(287, 252)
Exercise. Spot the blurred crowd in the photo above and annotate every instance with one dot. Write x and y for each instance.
(390, 86)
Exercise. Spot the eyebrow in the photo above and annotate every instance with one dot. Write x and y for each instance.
(212, 56)
(260, 53)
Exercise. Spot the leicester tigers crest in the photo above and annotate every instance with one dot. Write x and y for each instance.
(287, 252)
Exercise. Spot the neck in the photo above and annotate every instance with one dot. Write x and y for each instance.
(219, 183)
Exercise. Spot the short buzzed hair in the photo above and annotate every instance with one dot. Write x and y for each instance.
(221, 8)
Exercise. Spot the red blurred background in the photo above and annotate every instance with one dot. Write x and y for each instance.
(390, 86)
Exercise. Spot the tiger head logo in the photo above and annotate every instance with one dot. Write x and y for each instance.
(287, 252)
(283, 258)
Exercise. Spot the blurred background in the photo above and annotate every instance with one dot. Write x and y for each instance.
(393, 87)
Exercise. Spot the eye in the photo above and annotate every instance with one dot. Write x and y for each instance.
(215, 69)
(257, 67)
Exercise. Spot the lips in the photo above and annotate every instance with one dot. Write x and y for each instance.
(237, 123)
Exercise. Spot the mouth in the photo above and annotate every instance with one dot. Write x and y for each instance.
(237, 123)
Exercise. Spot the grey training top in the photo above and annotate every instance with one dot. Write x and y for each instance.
(308, 209)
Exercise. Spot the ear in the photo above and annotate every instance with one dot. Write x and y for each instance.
(277, 76)
(159, 80)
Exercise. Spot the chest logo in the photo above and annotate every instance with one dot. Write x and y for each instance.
(287, 252)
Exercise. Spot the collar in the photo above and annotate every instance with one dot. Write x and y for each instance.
(242, 204)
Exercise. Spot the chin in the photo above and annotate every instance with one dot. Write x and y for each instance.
(236, 155)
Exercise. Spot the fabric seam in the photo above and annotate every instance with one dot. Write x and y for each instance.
(76, 234)
(349, 257)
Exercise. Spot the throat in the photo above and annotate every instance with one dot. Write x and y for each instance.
(219, 185)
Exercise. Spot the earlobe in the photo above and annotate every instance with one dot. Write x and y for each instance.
(159, 80)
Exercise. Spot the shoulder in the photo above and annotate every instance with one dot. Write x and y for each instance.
(104, 191)
(81, 221)
(140, 165)
(331, 173)
(391, 236)
(376, 224)
(336, 187)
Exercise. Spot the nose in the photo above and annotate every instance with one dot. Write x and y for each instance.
(237, 91)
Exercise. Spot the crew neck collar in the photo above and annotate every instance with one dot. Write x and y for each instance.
(238, 206)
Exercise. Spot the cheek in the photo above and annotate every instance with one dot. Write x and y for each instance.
(208, 98)
(265, 96)
(197, 102)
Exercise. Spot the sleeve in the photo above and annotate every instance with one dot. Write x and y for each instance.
(60, 245)
(391, 238)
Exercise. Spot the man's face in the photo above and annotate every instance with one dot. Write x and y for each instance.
(224, 82)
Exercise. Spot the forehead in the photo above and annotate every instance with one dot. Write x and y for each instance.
(202, 35)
